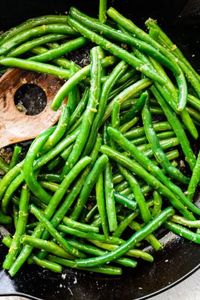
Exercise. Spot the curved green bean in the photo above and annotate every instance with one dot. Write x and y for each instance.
(195, 179)
(156, 147)
(59, 51)
(130, 243)
(151, 167)
(151, 180)
(20, 228)
(26, 35)
(27, 46)
(115, 50)
(91, 179)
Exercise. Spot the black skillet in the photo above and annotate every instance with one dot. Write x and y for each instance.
(181, 20)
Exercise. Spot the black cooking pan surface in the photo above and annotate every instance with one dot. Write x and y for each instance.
(181, 20)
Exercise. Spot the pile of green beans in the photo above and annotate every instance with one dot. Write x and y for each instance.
(121, 164)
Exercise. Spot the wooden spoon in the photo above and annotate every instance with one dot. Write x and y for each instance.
(15, 126)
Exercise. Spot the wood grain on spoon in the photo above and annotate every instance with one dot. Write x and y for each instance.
(15, 126)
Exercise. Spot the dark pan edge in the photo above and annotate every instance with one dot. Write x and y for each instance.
(141, 298)
(173, 284)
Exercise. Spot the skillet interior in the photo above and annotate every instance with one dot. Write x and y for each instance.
(180, 257)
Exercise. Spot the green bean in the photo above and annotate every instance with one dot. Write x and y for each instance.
(120, 36)
(34, 32)
(135, 109)
(30, 23)
(63, 209)
(28, 170)
(167, 92)
(99, 269)
(63, 242)
(127, 192)
(120, 187)
(130, 243)
(60, 130)
(102, 10)
(7, 240)
(193, 101)
(195, 179)
(59, 51)
(49, 246)
(126, 202)
(151, 180)
(129, 74)
(165, 144)
(74, 80)
(139, 33)
(162, 55)
(25, 47)
(156, 111)
(178, 129)
(151, 167)
(65, 154)
(91, 214)
(171, 155)
(117, 178)
(52, 165)
(90, 181)
(118, 71)
(156, 147)
(139, 131)
(4, 219)
(123, 225)
(131, 91)
(164, 40)
(90, 235)
(15, 156)
(98, 252)
(52, 153)
(115, 117)
(151, 239)
(126, 126)
(139, 197)
(157, 207)
(61, 62)
(133, 252)
(183, 232)
(14, 185)
(162, 136)
(15, 215)
(49, 177)
(193, 113)
(20, 228)
(3, 165)
(49, 211)
(182, 221)
(100, 198)
(34, 66)
(122, 87)
(51, 186)
(69, 178)
(80, 226)
(31, 225)
(46, 264)
(115, 50)
(108, 31)
(73, 94)
(109, 198)
(89, 112)
(79, 108)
